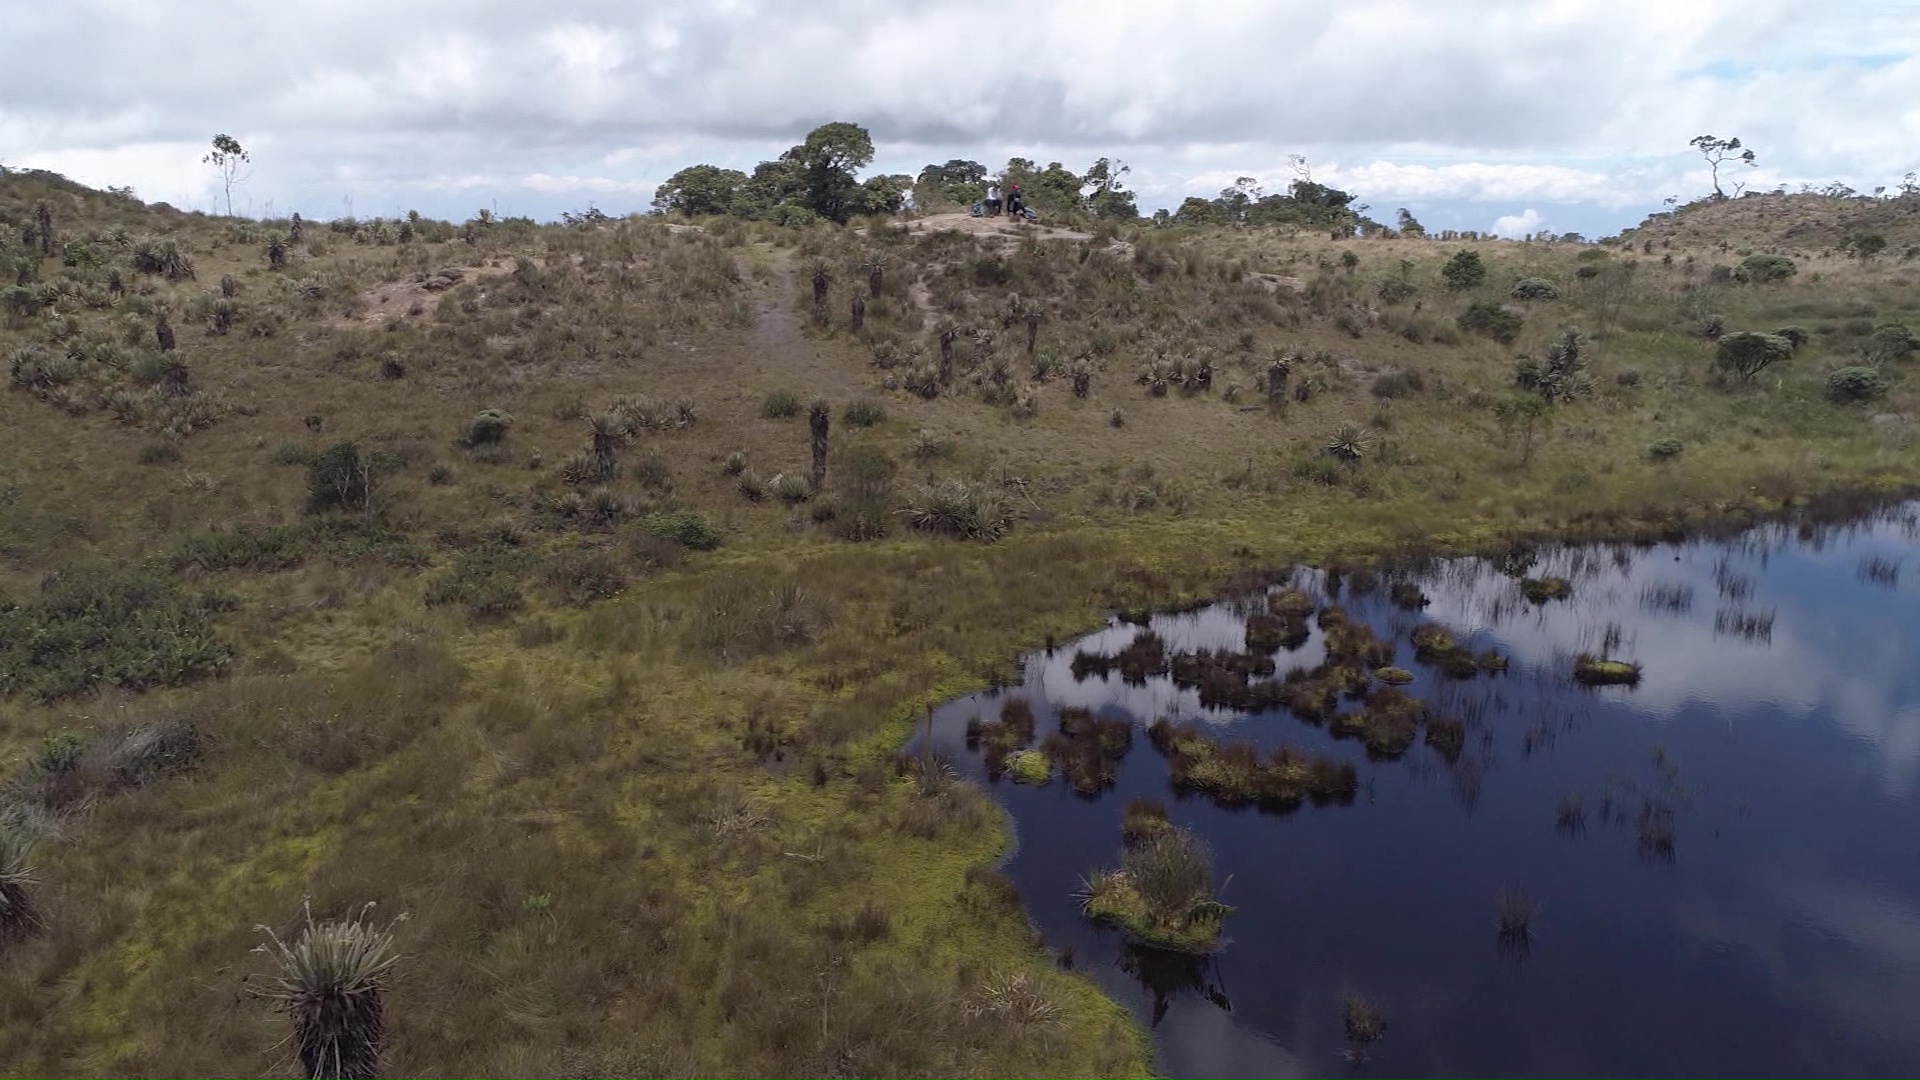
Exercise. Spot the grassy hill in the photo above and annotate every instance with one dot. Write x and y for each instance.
(476, 569)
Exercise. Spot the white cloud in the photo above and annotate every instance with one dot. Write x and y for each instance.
(568, 184)
(1577, 103)
(1515, 226)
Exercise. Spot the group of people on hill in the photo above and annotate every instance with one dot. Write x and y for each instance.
(1015, 206)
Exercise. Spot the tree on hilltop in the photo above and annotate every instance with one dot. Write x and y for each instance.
(227, 157)
(1718, 151)
(824, 165)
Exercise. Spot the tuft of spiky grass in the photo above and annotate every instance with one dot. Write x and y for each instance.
(957, 508)
(863, 412)
(330, 983)
(18, 917)
(1349, 442)
(780, 405)
(1014, 999)
(1364, 1022)
(791, 488)
(1516, 913)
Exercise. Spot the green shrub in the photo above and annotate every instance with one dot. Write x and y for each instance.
(1491, 319)
(1892, 342)
(734, 465)
(1464, 270)
(161, 453)
(684, 527)
(242, 547)
(780, 405)
(863, 412)
(94, 627)
(1796, 336)
(1397, 291)
(338, 478)
(1746, 353)
(1534, 288)
(1392, 384)
(485, 581)
(1762, 269)
(652, 471)
(1853, 384)
(864, 507)
(488, 428)
(1665, 449)
(583, 577)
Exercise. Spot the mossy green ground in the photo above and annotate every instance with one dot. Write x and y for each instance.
(663, 833)
(1029, 767)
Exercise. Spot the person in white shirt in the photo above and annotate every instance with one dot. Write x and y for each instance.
(993, 199)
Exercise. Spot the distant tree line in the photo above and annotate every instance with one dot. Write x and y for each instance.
(818, 179)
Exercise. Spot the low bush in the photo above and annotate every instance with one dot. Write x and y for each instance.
(1745, 353)
(1534, 288)
(484, 581)
(1665, 449)
(339, 478)
(1848, 385)
(162, 453)
(1492, 320)
(1464, 270)
(582, 577)
(1762, 269)
(1392, 384)
(862, 413)
(94, 627)
(780, 405)
(1892, 342)
(684, 527)
(487, 428)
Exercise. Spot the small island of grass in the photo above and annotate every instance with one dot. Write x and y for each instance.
(1162, 894)
(1596, 671)
(1541, 590)
(1029, 767)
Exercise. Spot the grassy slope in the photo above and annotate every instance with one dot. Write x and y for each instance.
(634, 838)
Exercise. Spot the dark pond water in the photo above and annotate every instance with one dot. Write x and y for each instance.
(1764, 921)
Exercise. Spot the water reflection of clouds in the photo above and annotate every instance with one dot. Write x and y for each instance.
(1207, 1041)
(1846, 654)
(1872, 986)
(1213, 627)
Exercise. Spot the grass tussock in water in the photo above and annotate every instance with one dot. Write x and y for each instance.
(1600, 671)
(1238, 774)
(1162, 894)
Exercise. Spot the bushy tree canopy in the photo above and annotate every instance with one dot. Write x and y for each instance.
(701, 189)
(1746, 353)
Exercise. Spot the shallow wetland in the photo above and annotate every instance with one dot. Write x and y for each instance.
(1654, 817)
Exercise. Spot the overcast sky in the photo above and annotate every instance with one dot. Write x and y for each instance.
(1555, 114)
